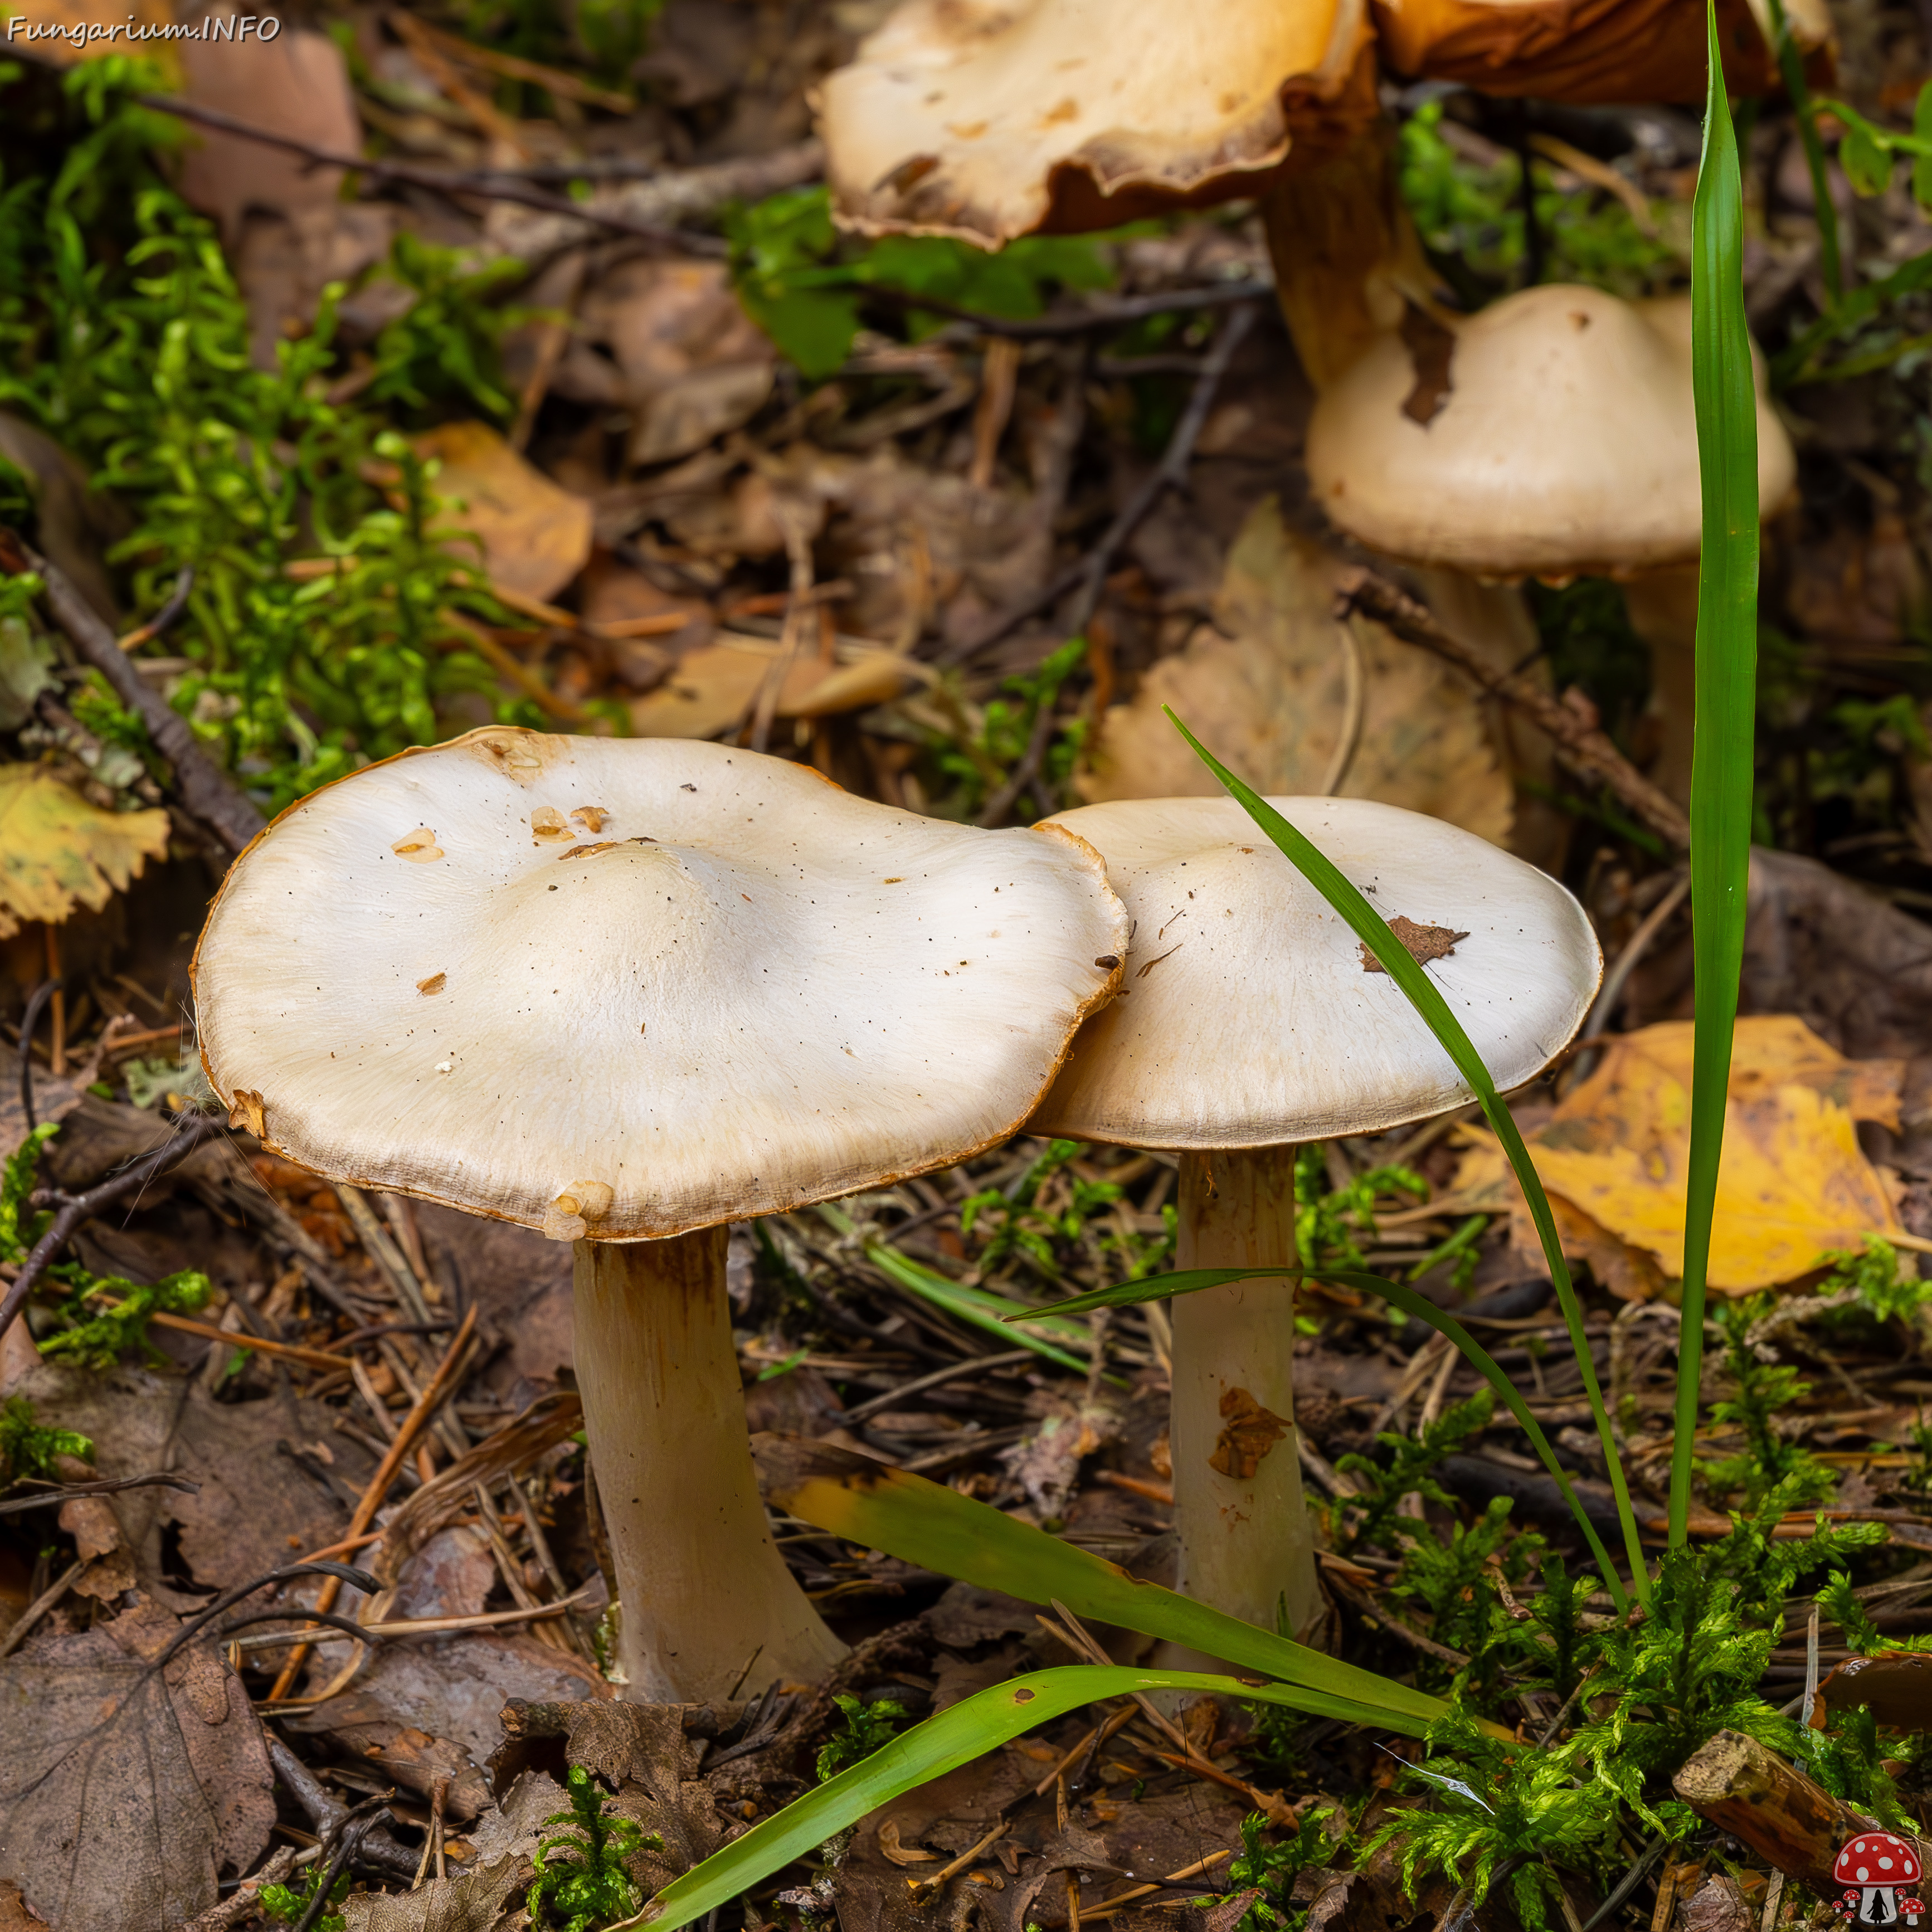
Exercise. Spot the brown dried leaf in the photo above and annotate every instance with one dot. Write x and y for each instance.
(471, 1899)
(126, 1788)
(694, 364)
(1422, 943)
(1263, 688)
(535, 537)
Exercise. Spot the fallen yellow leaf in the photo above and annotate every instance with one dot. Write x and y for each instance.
(56, 849)
(1793, 1181)
(535, 537)
(1264, 688)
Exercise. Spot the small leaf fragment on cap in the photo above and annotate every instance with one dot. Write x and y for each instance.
(1248, 1431)
(245, 1110)
(418, 847)
(547, 822)
(434, 983)
(592, 817)
(1421, 942)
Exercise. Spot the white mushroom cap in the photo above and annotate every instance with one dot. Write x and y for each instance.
(973, 117)
(1567, 442)
(628, 988)
(1247, 1018)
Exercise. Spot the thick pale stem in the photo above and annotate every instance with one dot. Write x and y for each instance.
(1496, 621)
(1247, 1546)
(1347, 259)
(1663, 607)
(708, 1604)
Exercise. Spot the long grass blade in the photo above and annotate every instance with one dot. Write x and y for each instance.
(1426, 996)
(978, 1307)
(1725, 685)
(971, 1728)
(926, 1523)
(1398, 1294)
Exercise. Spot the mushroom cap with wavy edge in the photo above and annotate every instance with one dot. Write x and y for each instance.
(989, 119)
(621, 989)
(1246, 1018)
(1567, 442)
(1606, 51)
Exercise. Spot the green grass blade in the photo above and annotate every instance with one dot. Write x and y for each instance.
(978, 1307)
(971, 1728)
(1426, 996)
(926, 1523)
(1791, 71)
(1727, 674)
(1399, 1295)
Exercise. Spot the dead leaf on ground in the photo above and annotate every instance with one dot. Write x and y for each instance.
(126, 1789)
(1263, 688)
(297, 83)
(1046, 1464)
(535, 537)
(58, 850)
(713, 689)
(695, 365)
(455, 1687)
(1793, 1182)
(472, 1898)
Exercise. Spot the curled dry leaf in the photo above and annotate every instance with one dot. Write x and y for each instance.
(126, 1784)
(535, 537)
(1264, 688)
(1793, 1182)
(57, 850)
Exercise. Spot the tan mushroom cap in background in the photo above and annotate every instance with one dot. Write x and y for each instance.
(1605, 51)
(627, 988)
(989, 119)
(1567, 441)
(1247, 1019)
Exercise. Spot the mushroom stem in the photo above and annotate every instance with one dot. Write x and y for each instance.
(1663, 607)
(710, 1609)
(1247, 1547)
(1347, 258)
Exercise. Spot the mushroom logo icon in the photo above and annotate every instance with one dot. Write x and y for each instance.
(1881, 1875)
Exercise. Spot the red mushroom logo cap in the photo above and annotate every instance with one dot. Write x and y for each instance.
(1876, 1858)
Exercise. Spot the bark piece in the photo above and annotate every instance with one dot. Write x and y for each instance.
(1743, 1789)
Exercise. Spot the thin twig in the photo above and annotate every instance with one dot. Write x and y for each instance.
(163, 620)
(1586, 747)
(973, 1365)
(205, 795)
(997, 807)
(1354, 707)
(39, 1607)
(1616, 979)
(1090, 573)
(1082, 321)
(442, 1385)
(76, 1209)
(30, 1020)
(443, 180)
(162, 1479)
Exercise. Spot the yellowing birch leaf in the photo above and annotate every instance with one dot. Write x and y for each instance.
(56, 849)
(1264, 688)
(1793, 1182)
